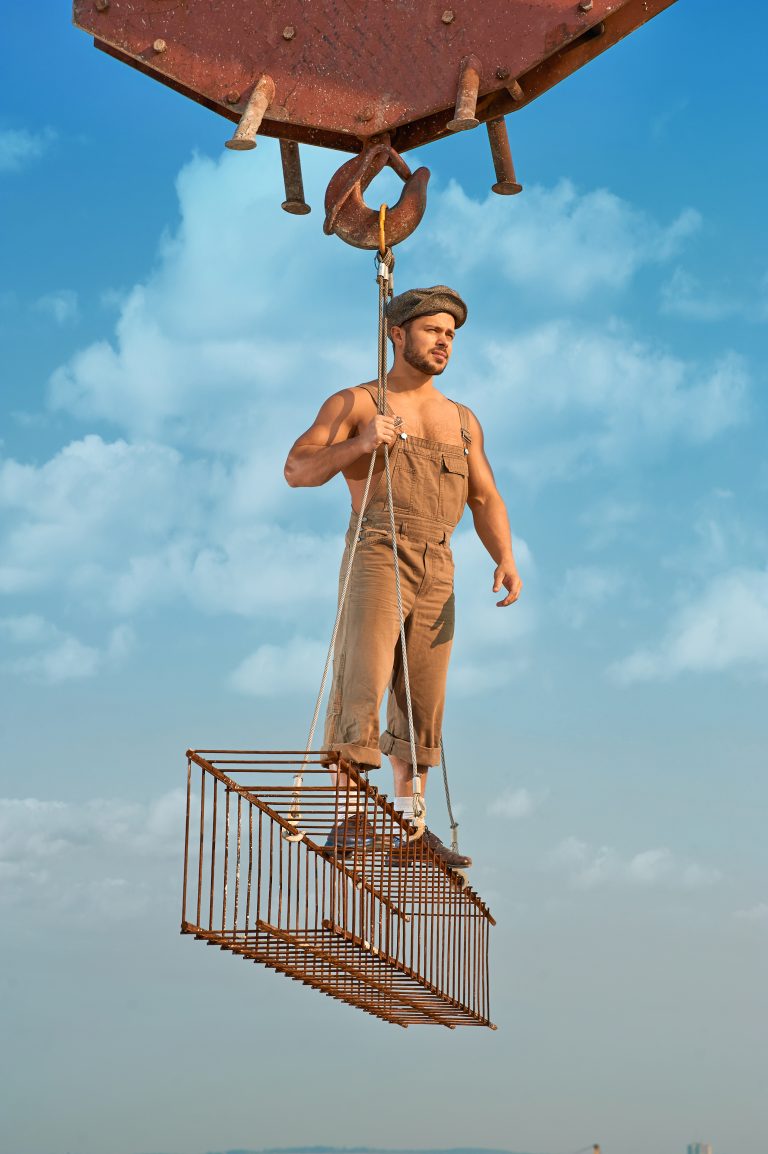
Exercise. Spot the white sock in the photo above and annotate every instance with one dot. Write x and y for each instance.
(404, 805)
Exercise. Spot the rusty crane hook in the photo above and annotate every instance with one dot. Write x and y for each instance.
(347, 214)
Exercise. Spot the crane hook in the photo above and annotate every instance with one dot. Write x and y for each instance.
(347, 214)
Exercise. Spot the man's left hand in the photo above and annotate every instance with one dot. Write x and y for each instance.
(507, 576)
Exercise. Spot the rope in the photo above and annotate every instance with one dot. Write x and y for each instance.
(451, 818)
(295, 811)
(385, 265)
(384, 279)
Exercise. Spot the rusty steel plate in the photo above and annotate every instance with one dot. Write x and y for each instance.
(344, 72)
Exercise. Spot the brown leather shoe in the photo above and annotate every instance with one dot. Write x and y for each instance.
(350, 836)
(456, 861)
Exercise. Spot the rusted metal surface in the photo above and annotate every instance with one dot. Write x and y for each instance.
(498, 138)
(384, 927)
(294, 185)
(346, 72)
(470, 75)
(362, 77)
(261, 97)
(347, 214)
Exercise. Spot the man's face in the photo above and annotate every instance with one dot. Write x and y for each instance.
(427, 342)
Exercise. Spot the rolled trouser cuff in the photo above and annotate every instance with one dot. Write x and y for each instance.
(425, 755)
(368, 757)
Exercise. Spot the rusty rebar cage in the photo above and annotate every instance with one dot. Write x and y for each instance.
(379, 923)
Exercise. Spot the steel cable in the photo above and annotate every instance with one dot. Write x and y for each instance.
(384, 268)
(384, 278)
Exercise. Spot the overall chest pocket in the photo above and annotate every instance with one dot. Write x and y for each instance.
(454, 482)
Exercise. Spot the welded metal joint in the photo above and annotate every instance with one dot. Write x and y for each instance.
(506, 181)
(294, 184)
(466, 96)
(250, 122)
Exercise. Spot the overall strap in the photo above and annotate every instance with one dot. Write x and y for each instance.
(373, 393)
(466, 436)
(379, 490)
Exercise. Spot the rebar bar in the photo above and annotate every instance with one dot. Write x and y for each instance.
(359, 909)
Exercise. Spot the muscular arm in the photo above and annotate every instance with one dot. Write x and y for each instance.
(490, 516)
(335, 441)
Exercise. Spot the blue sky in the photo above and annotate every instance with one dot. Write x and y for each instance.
(166, 333)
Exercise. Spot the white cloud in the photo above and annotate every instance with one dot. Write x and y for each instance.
(584, 588)
(31, 828)
(278, 670)
(600, 399)
(609, 520)
(756, 914)
(513, 804)
(123, 526)
(19, 147)
(121, 642)
(588, 867)
(26, 630)
(213, 370)
(66, 660)
(69, 514)
(547, 244)
(724, 627)
(62, 306)
(207, 354)
(491, 644)
(57, 656)
(78, 852)
(684, 295)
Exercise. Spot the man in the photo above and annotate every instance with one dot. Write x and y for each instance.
(438, 465)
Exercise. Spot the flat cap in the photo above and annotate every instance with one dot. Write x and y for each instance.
(422, 302)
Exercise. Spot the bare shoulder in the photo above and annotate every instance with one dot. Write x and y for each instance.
(357, 397)
(346, 405)
(340, 415)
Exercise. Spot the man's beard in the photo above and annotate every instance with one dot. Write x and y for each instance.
(416, 361)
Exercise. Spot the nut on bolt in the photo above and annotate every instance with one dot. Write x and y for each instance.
(289, 32)
(585, 5)
(159, 46)
(101, 5)
(232, 97)
(448, 16)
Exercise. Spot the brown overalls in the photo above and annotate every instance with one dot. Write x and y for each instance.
(429, 491)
